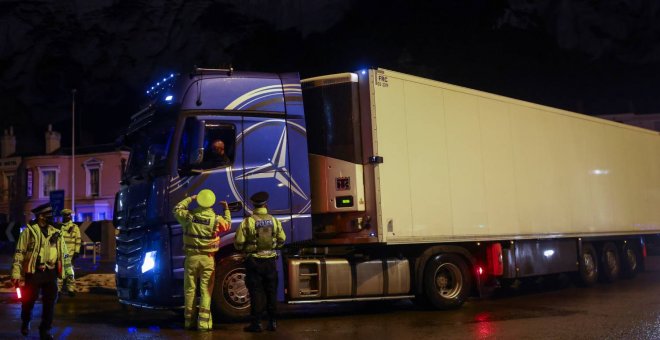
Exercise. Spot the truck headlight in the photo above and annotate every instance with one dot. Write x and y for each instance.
(149, 261)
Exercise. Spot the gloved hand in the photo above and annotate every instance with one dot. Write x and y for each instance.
(15, 282)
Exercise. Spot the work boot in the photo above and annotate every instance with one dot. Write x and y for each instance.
(272, 325)
(254, 327)
(25, 328)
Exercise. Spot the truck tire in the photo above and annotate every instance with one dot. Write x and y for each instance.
(447, 281)
(230, 300)
(629, 261)
(609, 263)
(587, 274)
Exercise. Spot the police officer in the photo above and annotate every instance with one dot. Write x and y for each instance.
(41, 258)
(258, 236)
(71, 234)
(201, 229)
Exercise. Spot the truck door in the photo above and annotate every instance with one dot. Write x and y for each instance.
(266, 163)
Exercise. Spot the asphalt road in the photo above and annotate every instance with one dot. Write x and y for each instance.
(626, 309)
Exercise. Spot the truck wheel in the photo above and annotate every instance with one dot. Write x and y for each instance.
(610, 264)
(629, 263)
(231, 299)
(588, 266)
(447, 281)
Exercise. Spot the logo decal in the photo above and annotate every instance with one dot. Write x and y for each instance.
(275, 166)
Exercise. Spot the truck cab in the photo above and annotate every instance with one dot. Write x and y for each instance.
(259, 118)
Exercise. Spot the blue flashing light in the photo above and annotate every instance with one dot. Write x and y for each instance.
(171, 75)
(169, 98)
(363, 72)
(149, 261)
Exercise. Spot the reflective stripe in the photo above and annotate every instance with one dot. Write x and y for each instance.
(204, 310)
(200, 236)
(211, 246)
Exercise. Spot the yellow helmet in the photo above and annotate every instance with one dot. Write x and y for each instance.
(206, 198)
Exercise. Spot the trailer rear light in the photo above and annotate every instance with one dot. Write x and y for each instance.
(494, 257)
(644, 250)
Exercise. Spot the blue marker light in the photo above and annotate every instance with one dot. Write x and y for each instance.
(168, 98)
(363, 72)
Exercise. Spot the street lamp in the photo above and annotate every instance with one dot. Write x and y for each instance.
(73, 151)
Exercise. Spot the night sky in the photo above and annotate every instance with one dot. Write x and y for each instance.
(594, 57)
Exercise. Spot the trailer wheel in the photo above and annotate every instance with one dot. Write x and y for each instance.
(629, 262)
(610, 263)
(588, 266)
(447, 281)
(230, 299)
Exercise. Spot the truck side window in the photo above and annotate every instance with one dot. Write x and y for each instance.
(219, 140)
(207, 147)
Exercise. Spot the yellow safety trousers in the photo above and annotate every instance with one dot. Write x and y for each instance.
(198, 267)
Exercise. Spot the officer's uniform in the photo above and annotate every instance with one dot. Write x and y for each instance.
(201, 228)
(41, 258)
(258, 236)
(71, 234)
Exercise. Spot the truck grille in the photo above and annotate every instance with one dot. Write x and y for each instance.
(130, 241)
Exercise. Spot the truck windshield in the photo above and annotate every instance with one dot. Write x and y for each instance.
(149, 146)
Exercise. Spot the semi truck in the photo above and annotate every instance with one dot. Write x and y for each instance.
(388, 186)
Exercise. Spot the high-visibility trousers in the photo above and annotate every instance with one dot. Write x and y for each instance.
(198, 267)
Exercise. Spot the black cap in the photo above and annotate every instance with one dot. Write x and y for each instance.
(43, 209)
(259, 198)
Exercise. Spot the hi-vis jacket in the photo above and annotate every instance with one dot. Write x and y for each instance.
(201, 227)
(260, 234)
(30, 243)
(71, 234)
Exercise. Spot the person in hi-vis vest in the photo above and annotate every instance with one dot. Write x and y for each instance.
(201, 240)
(258, 236)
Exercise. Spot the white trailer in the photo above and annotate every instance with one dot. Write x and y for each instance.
(429, 190)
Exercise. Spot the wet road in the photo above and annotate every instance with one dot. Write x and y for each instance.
(626, 309)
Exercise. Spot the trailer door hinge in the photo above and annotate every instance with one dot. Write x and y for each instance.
(375, 159)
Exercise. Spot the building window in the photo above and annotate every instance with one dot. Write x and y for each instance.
(11, 186)
(48, 180)
(93, 169)
(87, 217)
(28, 183)
(94, 182)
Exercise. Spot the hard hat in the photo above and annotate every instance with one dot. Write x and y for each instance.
(66, 212)
(206, 198)
(259, 198)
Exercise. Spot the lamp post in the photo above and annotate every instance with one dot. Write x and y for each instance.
(73, 151)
